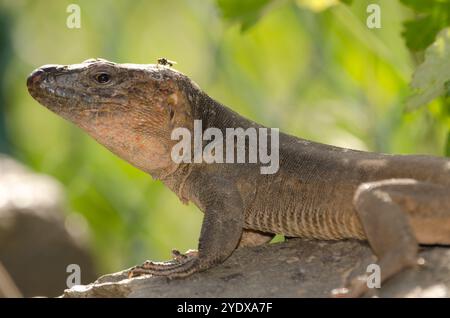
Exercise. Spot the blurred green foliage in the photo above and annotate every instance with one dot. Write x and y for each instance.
(447, 146)
(314, 71)
(246, 12)
(430, 18)
(431, 78)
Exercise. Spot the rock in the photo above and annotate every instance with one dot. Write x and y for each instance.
(296, 268)
(37, 241)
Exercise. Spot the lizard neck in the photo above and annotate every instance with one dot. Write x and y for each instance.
(213, 115)
(176, 180)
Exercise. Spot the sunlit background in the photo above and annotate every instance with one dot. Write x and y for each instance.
(311, 68)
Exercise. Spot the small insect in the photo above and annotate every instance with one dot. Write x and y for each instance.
(165, 62)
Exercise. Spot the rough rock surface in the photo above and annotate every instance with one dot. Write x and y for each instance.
(296, 268)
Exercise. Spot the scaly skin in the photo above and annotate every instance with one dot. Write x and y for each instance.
(319, 191)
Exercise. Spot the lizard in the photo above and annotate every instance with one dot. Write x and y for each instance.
(394, 202)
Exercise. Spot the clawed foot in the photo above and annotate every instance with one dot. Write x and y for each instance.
(180, 266)
(358, 286)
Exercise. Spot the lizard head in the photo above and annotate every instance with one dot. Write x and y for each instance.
(131, 109)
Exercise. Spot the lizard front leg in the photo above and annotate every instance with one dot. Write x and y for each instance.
(397, 215)
(219, 237)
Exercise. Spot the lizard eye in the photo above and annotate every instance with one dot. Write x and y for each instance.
(102, 78)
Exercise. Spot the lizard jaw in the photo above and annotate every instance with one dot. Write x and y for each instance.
(47, 86)
(40, 87)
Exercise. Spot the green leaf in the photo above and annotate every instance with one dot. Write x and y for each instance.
(431, 78)
(431, 16)
(422, 5)
(420, 33)
(247, 12)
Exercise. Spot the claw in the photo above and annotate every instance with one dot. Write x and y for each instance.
(178, 256)
(180, 265)
(421, 262)
(356, 288)
(339, 292)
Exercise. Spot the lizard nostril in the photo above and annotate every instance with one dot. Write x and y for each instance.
(37, 75)
(34, 77)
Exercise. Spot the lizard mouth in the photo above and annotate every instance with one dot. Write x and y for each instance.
(42, 85)
(46, 87)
